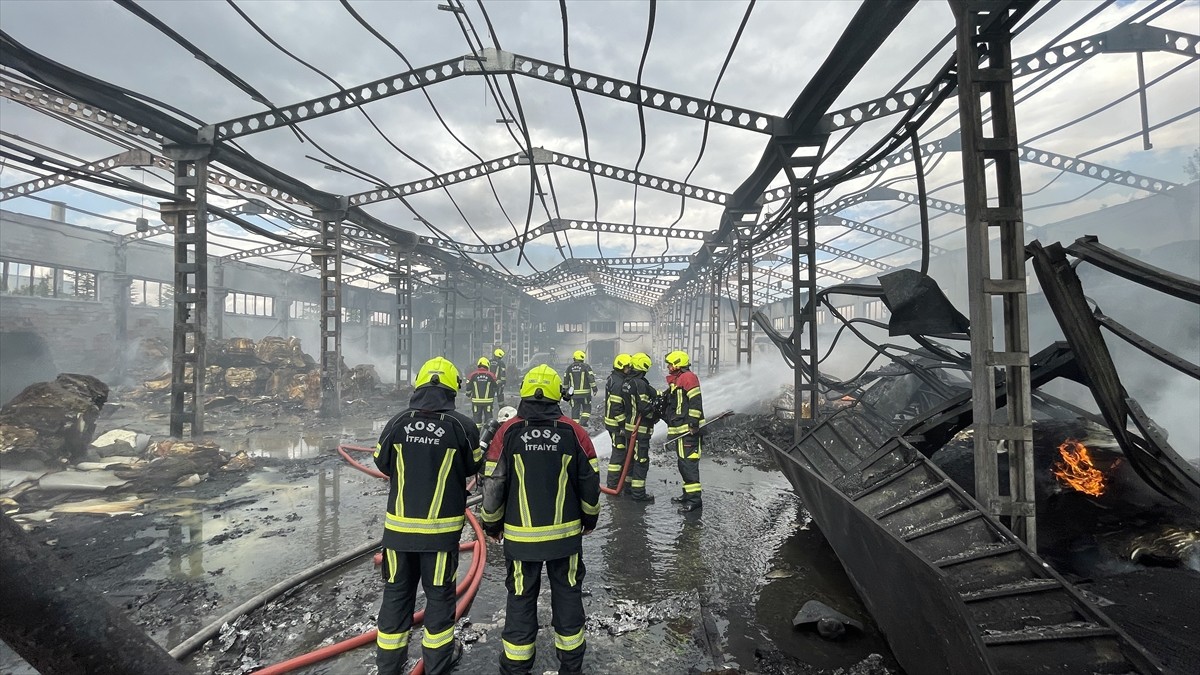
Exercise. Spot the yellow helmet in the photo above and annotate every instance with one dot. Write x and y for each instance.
(499, 353)
(483, 362)
(440, 371)
(641, 362)
(579, 355)
(678, 359)
(621, 361)
(542, 379)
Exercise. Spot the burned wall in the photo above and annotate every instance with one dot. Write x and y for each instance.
(81, 335)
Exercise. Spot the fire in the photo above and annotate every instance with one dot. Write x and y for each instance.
(1076, 470)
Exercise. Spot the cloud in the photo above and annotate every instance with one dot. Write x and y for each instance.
(782, 47)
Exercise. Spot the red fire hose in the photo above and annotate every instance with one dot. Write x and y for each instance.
(466, 589)
(629, 451)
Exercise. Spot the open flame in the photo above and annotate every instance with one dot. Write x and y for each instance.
(1076, 470)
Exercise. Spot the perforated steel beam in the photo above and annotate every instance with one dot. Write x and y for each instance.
(127, 158)
(402, 280)
(540, 156)
(1123, 38)
(329, 262)
(986, 74)
(495, 62)
(40, 99)
(187, 214)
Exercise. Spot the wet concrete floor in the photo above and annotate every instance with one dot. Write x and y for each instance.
(665, 592)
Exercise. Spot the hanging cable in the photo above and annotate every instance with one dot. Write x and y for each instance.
(642, 112)
(712, 96)
(587, 146)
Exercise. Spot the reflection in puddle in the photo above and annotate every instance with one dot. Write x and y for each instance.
(302, 446)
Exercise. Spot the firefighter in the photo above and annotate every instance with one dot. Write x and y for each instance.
(542, 496)
(500, 368)
(581, 383)
(428, 452)
(641, 411)
(482, 385)
(614, 416)
(684, 413)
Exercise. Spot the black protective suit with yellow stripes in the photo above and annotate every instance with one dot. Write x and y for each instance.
(614, 422)
(428, 452)
(581, 382)
(542, 494)
(640, 415)
(482, 387)
(684, 413)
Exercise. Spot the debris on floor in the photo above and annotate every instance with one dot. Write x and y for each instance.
(50, 423)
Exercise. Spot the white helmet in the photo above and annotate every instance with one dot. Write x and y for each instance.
(506, 413)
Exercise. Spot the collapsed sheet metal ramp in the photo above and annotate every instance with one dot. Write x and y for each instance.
(954, 591)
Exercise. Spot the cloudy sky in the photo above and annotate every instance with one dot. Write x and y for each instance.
(782, 46)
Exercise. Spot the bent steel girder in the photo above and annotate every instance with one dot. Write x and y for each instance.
(39, 99)
(635, 177)
(1120, 39)
(494, 62)
(127, 158)
(540, 156)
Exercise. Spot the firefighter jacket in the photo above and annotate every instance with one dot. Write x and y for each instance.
(428, 452)
(581, 380)
(614, 404)
(501, 370)
(683, 408)
(544, 491)
(640, 401)
(482, 386)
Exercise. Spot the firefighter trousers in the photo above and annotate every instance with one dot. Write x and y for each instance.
(481, 411)
(566, 606)
(581, 409)
(639, 466)
(437, 571)
(617, 459)
(688, 449)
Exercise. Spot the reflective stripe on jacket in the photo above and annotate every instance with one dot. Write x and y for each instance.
(614, 405)
(482, 385)
(545, 488)
(428, 457)
(580, 379)
(639, 402)
(684, 408)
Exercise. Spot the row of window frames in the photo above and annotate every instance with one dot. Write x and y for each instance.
(46, 281)
(148, 293)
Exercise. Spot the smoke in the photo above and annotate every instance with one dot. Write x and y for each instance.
(748, 388)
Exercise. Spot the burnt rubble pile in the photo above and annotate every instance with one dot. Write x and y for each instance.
(275, 367)
(49, 423)
(49, 460)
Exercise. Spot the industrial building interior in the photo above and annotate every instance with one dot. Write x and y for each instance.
(936, 265)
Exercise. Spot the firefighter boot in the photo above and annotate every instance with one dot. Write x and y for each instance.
(679, 498)
(690, 504)
(642, 496)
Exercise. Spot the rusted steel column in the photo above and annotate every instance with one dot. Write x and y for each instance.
(62, 626)
(982, 33)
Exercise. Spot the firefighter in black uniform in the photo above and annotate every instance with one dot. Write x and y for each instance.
(614, 416)
(428, 452)
(482, 385)
(581, 383)
(684, 413)
(542, 496)
(641, 411)
(500, 369)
